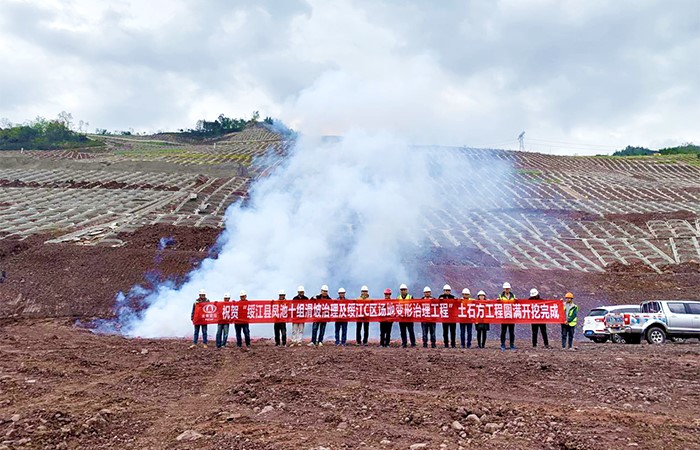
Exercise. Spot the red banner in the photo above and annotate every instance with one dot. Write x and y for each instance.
(433, 310)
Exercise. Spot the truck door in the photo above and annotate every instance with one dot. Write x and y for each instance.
(679, 321)
(694, 310)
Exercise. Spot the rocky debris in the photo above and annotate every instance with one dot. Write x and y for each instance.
(418, 446)
(492, 427)
(457, 426)
(266, 410)
(473, 418)
(189, 435)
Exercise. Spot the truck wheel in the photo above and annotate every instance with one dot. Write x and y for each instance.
(617, 339)
(656, 335)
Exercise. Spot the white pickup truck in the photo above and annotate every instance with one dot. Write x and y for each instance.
(657, 320)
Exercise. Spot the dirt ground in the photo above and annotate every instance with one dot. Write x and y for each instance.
(64, 387)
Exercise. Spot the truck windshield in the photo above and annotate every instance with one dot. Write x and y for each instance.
(598, 312)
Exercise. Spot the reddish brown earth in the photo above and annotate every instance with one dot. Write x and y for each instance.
(63, 387)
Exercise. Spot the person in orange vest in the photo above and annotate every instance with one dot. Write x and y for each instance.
(364, 325)
(448, 327)
(406, 327)
(385, 326)
(465, 327)
(428, 328)
(568, 328)
(482, 329)
(201, 299)
(507, 297)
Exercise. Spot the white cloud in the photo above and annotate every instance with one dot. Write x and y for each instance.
(612, 73)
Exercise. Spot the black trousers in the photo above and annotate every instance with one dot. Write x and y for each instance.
(407, 329)
(539, 327)
(281, 333)
(451, 329)
(428, 330)
(465, 327)
(510, 327)
(245, 328)
(481, 336)
(359, 326)
(385, 333)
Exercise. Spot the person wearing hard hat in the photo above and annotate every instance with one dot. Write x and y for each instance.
(406, 327)
(341, 328)
(568, 328)
(428, 328)
(538, 327)
(222, 328)
(360, 326)
(281, 327)
(244, 327)
(482, 329)
(507, 297)
(298, 327)
(318, 329)
(448, 327)
(200, 299)
(385, 326)
(465, 327)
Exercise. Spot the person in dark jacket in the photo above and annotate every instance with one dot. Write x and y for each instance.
(538, 327)
(361, 326)
(428, 328)
(281, 327)
(482, 329)
(448, 327)
(385, 327)
(298, 327)
(341, 328)
(318, 329)
(507, 297)
(201, 299)
(406, 328)
(222, 328)
(242, 327)
(465, 328)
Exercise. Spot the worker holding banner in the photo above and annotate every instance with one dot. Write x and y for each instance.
(428, 328)
(318, 329)
(201, 299)
(244, 327)
(507, 297)
(406, 327)
(448, 327)
(482, 328)
(341, 328)
(385, 326)
(222, 328)
(465, 327)
(298, 327)
(362, 325)
(281, 327)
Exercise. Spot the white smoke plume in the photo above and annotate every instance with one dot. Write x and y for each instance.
(345, 213)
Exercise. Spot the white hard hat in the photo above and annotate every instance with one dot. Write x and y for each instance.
(506, 285)
(227, 295)
(446, 287)
(427, 289)
(300, 289)
(403, 286)
(281, 292)
(364, 288)
(202, 292)
(466, 291)
(324, 287)
(534, 292)
(341, 291)
(481, 293)
(243, 293)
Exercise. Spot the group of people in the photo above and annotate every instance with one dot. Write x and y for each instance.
(408, 338)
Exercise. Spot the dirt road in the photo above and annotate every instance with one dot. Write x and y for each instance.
(64, 387)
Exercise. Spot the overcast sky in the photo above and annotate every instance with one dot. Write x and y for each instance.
(577, 76)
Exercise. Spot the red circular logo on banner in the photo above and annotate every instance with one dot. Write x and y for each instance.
(209, 308)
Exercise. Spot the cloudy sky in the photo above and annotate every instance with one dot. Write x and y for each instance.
(577, 76)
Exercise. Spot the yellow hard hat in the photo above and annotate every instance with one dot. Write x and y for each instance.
(569, 295)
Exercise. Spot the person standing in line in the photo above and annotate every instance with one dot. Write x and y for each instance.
(507, 297)
(448, 327)
(568, 328)
(385, 326)
(482, 329)
(244, 327)
(538, 327)
(428, 328)
(281, 327)
(222, 328)
(406, 327)
(318, 329)
(465, 327)
(298, 327)
(341, 328)
(201, 299)
(359, 326)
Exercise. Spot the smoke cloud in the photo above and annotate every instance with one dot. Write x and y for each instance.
(343, 212)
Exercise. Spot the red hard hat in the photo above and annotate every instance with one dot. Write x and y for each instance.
(387, 291)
